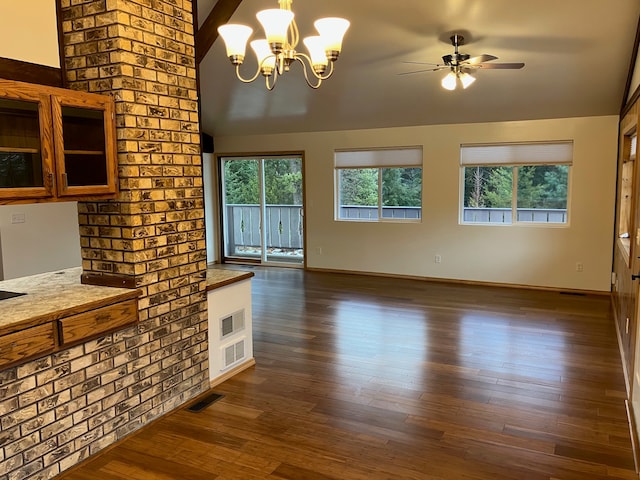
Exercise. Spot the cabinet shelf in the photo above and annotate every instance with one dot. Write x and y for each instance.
(83, 152)
(18, 150)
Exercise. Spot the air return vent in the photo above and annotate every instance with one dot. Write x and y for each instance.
(233, 353)
(231, 324)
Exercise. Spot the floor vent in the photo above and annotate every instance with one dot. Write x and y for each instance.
(205, 402)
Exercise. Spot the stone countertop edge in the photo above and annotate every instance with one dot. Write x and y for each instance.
(54, 295)
(219, 277)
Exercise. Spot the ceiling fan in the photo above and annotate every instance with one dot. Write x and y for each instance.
(460, 65)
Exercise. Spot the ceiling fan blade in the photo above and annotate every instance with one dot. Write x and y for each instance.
(480, 59)
(503, 66)
(440, 67)
(422, 63)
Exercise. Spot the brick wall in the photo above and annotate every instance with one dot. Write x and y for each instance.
(58, 410)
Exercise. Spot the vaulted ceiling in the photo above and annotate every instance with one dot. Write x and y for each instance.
(576, 53)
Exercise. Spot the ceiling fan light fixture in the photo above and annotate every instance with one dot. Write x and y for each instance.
(466, 79)
(449, 81)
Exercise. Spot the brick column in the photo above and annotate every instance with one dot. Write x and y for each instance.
(152, 237)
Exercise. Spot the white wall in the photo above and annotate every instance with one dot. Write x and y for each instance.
(28, 31)
(48, 240)
(520, 255)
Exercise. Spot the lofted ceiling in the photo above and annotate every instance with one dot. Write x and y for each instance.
(576, 53)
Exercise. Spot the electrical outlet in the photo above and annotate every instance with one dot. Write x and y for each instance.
(437, 259)
(579, 267)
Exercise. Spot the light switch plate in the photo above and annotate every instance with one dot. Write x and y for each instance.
(18, 218)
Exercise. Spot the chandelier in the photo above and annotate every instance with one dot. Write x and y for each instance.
(277, 52)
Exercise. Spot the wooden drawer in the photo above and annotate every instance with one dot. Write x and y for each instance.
(80, 327)
(27, 343)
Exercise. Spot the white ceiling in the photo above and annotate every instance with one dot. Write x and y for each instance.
(577, 55)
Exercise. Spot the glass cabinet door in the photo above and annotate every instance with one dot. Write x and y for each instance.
(26, 150)
(84, 147)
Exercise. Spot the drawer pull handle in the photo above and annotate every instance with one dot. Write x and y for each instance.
(103, 317)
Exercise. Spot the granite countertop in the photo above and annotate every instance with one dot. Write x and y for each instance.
(53, 295)
(219, 277)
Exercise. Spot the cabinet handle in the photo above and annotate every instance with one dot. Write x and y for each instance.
(65, 180)
(49, 180)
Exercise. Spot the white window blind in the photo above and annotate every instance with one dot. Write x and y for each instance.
(384, 157)
(517, 154)
(634, 146)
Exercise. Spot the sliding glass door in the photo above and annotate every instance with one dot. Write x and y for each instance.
(262, 209)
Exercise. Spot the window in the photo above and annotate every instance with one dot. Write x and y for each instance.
(628, 159)
(379, 185)
(515, 183)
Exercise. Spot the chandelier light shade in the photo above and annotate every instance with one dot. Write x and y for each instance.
(332, 30)
(266, 59)
(277, 51)
(275, 23)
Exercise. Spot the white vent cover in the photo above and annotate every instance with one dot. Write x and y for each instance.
(231, 324)
(233, 353)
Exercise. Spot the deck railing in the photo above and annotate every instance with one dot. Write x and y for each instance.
(503, 215)
(284, 225)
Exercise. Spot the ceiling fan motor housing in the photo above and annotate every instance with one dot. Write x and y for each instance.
(455, 59)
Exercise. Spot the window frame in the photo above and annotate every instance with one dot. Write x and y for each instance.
(377, 159)
(626, 186)
(514, 156)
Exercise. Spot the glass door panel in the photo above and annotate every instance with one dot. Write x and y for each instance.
(283, 210)
(84, 146)
(241, 208)
(262, 213)
(20, 151)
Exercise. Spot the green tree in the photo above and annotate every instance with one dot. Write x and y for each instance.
(241, 182)
(283, 181)
(402, 187)
(359, 186)
(556, 180)
(497, 191)
(530, 191)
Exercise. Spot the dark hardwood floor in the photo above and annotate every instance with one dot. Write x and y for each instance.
(376, 378)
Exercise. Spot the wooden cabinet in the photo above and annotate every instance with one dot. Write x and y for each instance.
(28, 343)
(55, 144)
(97, 322)
(19, 345)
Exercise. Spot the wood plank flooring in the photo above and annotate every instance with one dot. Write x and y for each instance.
(361, 378)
